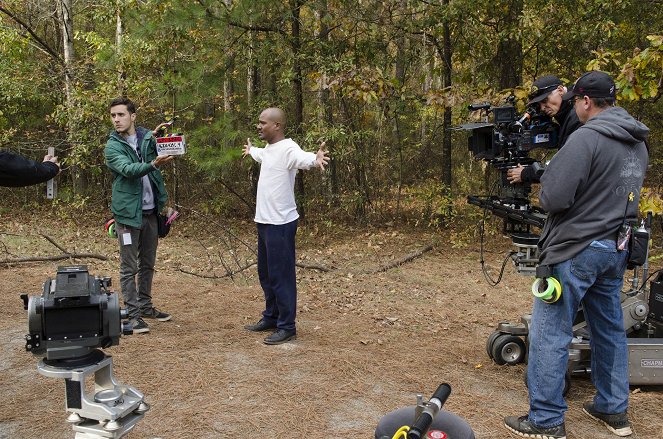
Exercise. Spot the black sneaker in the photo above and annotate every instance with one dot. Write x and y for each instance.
(262, 325)
(524, 427)
(139, 326)
(617, 423)
(280, 336)
(154, 313)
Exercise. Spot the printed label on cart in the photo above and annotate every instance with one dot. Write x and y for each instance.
(171, 145)
(651, 363)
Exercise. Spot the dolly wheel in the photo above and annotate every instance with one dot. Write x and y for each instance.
(490, 342)
(509, 349)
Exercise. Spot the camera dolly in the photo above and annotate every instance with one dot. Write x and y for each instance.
(505, 141)
(643, 323)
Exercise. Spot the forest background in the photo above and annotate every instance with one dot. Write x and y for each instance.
(382, 82)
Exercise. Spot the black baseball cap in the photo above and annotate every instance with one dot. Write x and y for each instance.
(593, 84)
(542, 87)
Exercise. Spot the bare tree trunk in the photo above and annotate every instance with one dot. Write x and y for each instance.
(428, 81)
(228, 85)
(297, 82)
(250, 73)
(446, 124)
(227, 77)
(67, 27)
(509, 58)
(119, 31)
(297, 85)
(65, 15)
(325, 110)
(397, 107)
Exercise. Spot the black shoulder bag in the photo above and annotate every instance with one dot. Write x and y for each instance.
(635, 239)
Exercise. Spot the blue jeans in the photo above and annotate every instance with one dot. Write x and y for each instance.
(595, 278)
(276, 271)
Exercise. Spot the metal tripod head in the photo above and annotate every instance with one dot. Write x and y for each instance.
(110, 410)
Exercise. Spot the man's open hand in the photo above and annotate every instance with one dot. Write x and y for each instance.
(247, 148)
(322, 157)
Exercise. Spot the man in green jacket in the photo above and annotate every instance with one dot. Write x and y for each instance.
(138, 195)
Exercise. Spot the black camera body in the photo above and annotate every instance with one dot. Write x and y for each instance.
(75, 314)
(505, 141)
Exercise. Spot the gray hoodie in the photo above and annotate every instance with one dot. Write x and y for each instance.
(586, 186)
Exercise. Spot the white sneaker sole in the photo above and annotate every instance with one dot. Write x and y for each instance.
(535, 436)
(624, 431)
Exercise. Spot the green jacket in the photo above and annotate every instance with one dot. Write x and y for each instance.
(128, 171)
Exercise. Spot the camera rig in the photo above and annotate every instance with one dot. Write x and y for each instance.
(505, 142)
(75, 315)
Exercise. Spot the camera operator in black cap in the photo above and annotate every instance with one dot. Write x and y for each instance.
(547, 95)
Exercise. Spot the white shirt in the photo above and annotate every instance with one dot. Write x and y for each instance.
(275, 203)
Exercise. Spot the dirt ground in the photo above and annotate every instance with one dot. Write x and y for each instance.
(367, 342)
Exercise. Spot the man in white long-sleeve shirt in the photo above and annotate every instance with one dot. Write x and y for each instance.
(276, 220)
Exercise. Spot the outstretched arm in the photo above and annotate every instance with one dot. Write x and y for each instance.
(16, 170)
(251, 150)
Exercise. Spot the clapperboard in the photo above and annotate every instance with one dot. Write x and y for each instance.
(171, 144)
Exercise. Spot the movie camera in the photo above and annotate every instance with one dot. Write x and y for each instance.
(504, 139)
(75, 316)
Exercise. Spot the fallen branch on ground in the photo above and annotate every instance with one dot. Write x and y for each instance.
(322, 268)
(403, 260)
(65, 255)
(314, 267)
(228, 274)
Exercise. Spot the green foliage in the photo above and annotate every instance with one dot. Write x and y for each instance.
(639, 74)
(216, 146)
(373, 77)
(437, 204)
(650, 201)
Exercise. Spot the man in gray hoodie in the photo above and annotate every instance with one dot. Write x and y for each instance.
(590, 189)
